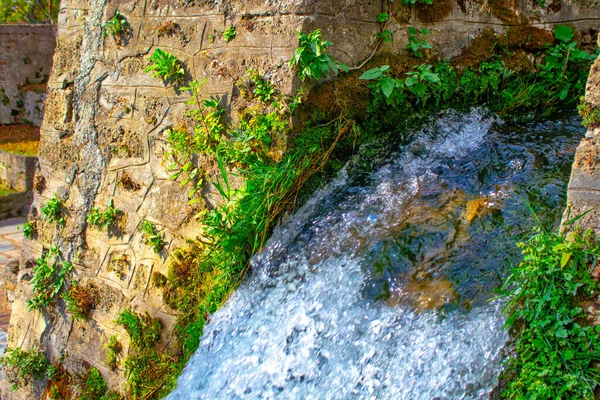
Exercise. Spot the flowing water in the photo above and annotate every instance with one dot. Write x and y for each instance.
(379, 286)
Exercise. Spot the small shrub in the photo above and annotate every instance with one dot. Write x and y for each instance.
(263, 89)
(383, 18)
(152, 237)
(95, 386)
(589, 113)
(26, 365)
(556, 350)
(104, 219)
(52, 210)
(115, 26)
(50, 277)
(81, 300)
(114, 350)
(29, 229)
(311, 57)
(229, 34)
(149, 371)
(166, 66)
(416, 41)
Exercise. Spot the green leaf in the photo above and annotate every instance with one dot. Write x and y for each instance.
(564, 259)
(371, 74)
(563, 33)
(387, 85)
(539, 343)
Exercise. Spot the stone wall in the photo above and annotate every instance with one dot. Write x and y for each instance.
(16, 172)
(103, 135)
(584, 186)
(25, 60)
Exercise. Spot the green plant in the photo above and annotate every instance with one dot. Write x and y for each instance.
(80, 300)
(229, 34)
(383, 84)
(25, 365)
(416, 41)
(555, 70)
(50, 277)
(152, 237)
(383, 18)
(52, 210)
(115, 26)
(312, 59)
(104, 219)
(421, 81)
(166, 66)
(589, 113)
(113, 353)
(148, 370)
(413, 2)
(263, 89)
(556, 351)
(29, 229)
(95, 387)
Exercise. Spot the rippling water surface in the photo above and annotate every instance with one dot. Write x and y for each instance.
(379, 286)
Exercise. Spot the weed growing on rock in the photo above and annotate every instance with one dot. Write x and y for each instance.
(113, 353)
(556, 348)
(50, 277)
(116, 26)
(29, 229)
(166, 66)
(94, 387)
(263, 89)
(229, 34)
(153, 237)
(148, 369)
(52, 210)
(312, 59)
(589, 113)
(81, 300)
(104, 219)
(25, 365)
(416, 41)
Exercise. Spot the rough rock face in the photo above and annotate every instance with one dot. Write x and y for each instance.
(103, 135)
(25, 61)
(584, 186)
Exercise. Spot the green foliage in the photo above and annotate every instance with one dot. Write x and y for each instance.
(431, 87)
(416, 41)
(263, 89)
(149, 372)
(166, 66)
(413, 2)
(116, 26)
(383, 84)
(589, 113)
(229, 34)
(559, 57)
(113, 353)
(26, 365)
(556, 351)
(95, 386)
(80, 300)
(104, 219)
(52, 210)
(311, 57)
(153, 237)
(28, 11)
(29, 229)
(50, 277)
(383, 18)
